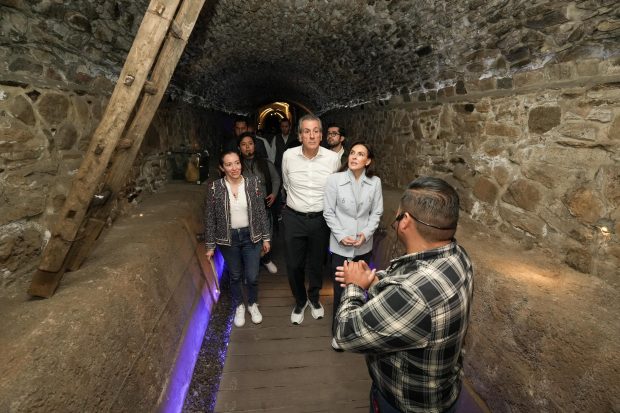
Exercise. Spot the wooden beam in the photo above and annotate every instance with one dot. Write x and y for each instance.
(163, 70)
(131, 81)
(150, 88)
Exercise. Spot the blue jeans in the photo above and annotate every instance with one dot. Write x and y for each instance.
(378, 404)
(242, 259)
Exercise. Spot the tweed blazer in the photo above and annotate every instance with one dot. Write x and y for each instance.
(217, 213)
(346, 216)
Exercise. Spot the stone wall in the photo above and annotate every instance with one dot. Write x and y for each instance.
(78, 44)
(122, 333)
(43, 135)
(542, 336)
(534, 156)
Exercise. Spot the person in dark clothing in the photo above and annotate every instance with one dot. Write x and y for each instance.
(231, 143)
(284, 140)
(336, 136)
(269, 179)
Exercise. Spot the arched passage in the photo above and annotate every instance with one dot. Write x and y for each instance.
(515, 104)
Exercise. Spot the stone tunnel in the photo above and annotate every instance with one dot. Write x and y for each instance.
(514, 103)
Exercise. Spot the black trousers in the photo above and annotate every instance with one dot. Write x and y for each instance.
(306, 239)
(338, 261)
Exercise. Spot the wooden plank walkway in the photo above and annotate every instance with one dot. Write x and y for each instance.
(276, 366)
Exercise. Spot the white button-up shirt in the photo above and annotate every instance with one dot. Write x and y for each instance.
(304, 179)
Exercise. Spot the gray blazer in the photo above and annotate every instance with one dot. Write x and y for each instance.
(346, 217)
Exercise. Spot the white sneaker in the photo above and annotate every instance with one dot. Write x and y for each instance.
(297, 316)
(271, 267)
(257, 317)
(317, 310)
(239, 316)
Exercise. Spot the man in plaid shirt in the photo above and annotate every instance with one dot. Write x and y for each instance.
(410, 320)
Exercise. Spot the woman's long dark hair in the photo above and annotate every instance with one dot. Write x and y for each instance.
(221, 161)
(370, 169)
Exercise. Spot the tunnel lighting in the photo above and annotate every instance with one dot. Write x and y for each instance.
(183, 370)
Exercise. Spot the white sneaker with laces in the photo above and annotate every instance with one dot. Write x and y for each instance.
(257, 317)
(317, 311)
(297, 316)
(239, 316)
(271, 267)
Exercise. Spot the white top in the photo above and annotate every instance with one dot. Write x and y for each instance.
(238, 206)
(304, 179)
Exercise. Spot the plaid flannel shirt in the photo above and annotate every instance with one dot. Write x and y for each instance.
(411, 326)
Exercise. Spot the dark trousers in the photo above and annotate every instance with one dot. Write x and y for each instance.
(306, 239)
(267, 257)
(338, 261)
(378, 403)
(276, 210)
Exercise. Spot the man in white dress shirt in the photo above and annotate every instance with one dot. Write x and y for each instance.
(304, 173)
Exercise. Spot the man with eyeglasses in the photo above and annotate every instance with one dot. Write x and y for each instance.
(336, 136)
(410, 319)
(304, 174)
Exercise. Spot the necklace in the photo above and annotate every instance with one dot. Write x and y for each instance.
(234, 187)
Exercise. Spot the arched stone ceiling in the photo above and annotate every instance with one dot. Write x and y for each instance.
(338, 53)
(322, 53)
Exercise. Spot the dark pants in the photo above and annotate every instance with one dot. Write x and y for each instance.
(276, 210)
(267, 257)
(338, 261)
(306, 239)
(378, 404)
(242, 259)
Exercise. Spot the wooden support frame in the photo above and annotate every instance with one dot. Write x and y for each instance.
(62, 251)
(123, 160)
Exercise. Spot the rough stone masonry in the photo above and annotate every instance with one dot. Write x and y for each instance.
(516, 103)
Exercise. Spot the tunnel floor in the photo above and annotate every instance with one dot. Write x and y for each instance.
(279, 367)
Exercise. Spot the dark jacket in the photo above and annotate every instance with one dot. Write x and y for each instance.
(282, 147)
(217, 213)
(231, 143)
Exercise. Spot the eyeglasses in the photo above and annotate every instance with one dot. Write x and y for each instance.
(333, 134)
(400, 216)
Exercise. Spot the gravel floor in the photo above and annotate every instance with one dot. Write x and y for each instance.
(202, 393)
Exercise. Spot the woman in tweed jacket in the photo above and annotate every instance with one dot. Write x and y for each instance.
(235, 220)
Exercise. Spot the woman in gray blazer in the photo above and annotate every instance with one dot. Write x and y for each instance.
(352, 207)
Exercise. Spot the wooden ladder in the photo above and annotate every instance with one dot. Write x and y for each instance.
(112, 153)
